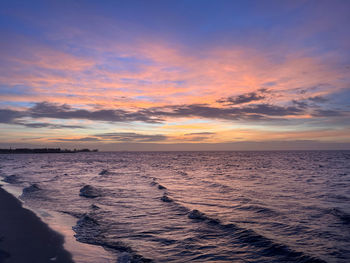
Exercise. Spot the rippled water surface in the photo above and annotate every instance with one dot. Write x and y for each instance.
(197, 206)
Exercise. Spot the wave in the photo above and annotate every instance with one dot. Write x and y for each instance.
(155, 183)
(338, 197)
(104, 172)
(343, 216)
(266, 246)
(258, 209)
(182, 173)
(31, 189)
(12, 179)
(165, 198)
(94, 207)
(89, 230)
(90, 192)
(161, 187)
(222, 187)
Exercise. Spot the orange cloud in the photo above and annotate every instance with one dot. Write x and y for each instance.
(173, 76)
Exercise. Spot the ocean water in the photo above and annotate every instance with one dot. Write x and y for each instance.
(193, 206)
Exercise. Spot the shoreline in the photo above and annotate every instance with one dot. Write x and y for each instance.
(24, 237)
(43, 150)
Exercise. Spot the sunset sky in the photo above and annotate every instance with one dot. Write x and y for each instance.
(165, 75)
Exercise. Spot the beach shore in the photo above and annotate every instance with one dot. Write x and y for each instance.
(24, 238)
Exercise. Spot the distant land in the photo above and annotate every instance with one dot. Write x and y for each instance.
(44, 150)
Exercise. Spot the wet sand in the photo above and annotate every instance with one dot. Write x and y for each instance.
(24, 238)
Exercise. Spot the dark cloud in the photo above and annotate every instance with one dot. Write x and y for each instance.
(318, 99)
(200, 133)
(13, 117)
(257, 117)
(304, 103)
(151, 115)
(242, 112)
(196, 139)
(195, 110)
(300, 103)
(56, 111)
(118, 137)
(272, 110)
(48, 125)
(251, 112)
(244, 98)
(9, 116)
(85, 139)
(327, 113)
(49, 110)
(131, 137)
(198, 136)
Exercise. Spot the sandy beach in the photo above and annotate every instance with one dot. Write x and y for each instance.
(25, 238)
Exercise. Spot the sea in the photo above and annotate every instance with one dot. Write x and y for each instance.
(274, 206)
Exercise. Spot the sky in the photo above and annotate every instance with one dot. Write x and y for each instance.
(175, 75)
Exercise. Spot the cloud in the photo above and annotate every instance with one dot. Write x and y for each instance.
(196, 136)
(241, 99)
(251, 112)
(318, 99)
(8, 116)
(240, 111)
(117, 137)
(150, 115)
(104, 72)
(131, 137)
(327, 113)
(300, 103)
(201, 133)
(48, 125)
(56, 111)
(85, 139)
(196, 139)
(304, 103)
(272, 110)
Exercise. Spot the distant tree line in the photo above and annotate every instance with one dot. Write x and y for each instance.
(44, 150)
